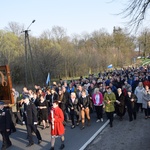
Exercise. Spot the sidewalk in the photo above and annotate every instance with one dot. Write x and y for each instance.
(124, 135)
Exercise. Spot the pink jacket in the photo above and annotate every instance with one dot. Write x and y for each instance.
(101, 99)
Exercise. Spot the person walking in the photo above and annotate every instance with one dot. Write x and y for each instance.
(139, 94)
(120, 104)
(16, 116)
(43, 108)
(63, 102)
(146, 102)
(97, 98)
(56, 118)
(131, 100)
(109, 100)
(73, 106)
(84, 103)
(5, 126)
(31, 120)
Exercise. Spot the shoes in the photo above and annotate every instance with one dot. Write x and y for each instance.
(23, 122)
(73, 126)
(39, 141)
(47, 126)
(52, 148)
(77, 123)
(111, 125)
(82, 127)
(43, 128)
(98, 120)
(146, 117)
(9, 145)
(89, 123)
(102, 120)
(130, 120)
(30, 144)
(62, 146)
(5, 147)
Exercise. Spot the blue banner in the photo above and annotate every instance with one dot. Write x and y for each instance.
(48, 79)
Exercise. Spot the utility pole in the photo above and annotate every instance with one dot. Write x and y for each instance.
(27, 66)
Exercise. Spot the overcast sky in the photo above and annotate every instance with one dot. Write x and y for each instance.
(76, 16)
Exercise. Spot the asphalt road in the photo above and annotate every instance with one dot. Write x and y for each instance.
(74, 138)
(124, 135)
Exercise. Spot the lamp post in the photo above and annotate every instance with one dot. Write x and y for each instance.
(26, 52)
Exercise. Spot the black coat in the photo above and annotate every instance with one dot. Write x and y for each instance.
(131, 106)
(75, 105)
(120, 108)
(52, 98)
(85, 102)
(5, 119)
(30, 113)
(65, 100)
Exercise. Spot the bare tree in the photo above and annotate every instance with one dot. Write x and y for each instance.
(136, 10)
(15, 28)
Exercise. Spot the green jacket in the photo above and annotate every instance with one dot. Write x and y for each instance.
(109, 107)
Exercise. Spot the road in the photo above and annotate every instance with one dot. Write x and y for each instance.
(124, 135)
(74, 138)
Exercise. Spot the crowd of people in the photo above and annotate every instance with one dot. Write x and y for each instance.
(118, 91)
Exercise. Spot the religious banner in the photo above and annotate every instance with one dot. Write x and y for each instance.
(6, 85)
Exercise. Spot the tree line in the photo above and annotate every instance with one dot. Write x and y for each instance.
(65, 56)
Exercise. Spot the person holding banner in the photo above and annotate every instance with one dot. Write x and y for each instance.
(56, 118)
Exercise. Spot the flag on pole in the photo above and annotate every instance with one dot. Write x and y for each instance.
(48, 79)
(110, 66)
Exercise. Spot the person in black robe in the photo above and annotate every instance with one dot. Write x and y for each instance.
(120, 104)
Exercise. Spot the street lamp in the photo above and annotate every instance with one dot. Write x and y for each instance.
(26, 53)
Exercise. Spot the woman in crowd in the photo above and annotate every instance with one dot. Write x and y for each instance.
(84, 103)
(73, 106)
(43, 108)
(139, 94)
(109, 100)
(146, 101)
(47, 98)
(131, 100)
(98, 103)
(120, 103)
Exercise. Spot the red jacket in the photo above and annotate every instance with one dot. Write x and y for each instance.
(58, 122)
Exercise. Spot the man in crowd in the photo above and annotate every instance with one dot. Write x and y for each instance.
(30, 115)
(5, 126)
